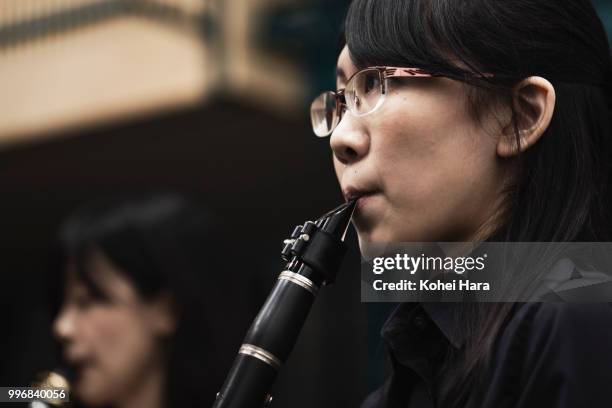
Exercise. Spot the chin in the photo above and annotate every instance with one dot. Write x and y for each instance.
(370, 242)
(91, 394)
(380, 236)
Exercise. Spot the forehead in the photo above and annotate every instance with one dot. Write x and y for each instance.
(102, 277)
(345, 66)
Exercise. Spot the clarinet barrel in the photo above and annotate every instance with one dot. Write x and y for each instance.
(313, 255)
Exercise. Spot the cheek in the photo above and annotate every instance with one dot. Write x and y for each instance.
(123, 337)
(121, 345)
(416, 150)
(434, 163)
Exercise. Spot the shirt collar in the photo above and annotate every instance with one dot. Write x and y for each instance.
(445, 315)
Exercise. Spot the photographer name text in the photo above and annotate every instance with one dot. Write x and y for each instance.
(431, 285)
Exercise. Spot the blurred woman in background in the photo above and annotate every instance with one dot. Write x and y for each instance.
(141, 321)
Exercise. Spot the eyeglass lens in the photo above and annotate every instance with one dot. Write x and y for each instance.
(362, 93)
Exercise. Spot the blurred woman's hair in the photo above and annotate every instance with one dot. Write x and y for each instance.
(164, 244)
(562, 189)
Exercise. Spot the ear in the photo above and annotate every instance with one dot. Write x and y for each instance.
(162, 315)
(533, 100)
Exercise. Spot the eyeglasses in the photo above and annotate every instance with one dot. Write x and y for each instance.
(364, 93)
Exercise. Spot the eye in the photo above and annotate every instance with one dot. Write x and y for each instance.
(370, 83)
(82, 301)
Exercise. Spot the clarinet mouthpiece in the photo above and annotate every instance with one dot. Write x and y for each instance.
(337, 221)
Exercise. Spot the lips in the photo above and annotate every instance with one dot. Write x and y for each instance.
(352, 193)
(364, 197)
(78, 363)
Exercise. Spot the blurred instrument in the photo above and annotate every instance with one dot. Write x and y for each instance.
(56, 379)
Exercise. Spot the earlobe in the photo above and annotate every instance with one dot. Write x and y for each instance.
(163, 315)
(533, 101)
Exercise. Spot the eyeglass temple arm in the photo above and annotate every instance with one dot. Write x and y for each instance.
(395, 72)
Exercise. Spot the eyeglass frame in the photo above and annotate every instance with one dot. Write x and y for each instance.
(384, 72)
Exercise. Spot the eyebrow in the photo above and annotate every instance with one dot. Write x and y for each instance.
(340, 74)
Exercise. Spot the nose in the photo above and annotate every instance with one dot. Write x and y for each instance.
(349, 142)
(64, 325)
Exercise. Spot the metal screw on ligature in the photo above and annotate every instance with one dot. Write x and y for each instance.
(268, 402)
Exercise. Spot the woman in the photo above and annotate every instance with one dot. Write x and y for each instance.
(473, 121)
(143, 319)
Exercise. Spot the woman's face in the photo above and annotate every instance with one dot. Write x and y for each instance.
(112, 344)
(426, 170)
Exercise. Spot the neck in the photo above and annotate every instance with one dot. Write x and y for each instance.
(148, 392)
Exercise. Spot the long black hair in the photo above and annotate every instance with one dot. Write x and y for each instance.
(166, 244)
(562, 189)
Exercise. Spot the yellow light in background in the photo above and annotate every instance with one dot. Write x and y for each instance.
(73, 70)
(70, 64)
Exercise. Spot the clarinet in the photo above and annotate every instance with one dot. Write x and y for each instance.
(313, 255)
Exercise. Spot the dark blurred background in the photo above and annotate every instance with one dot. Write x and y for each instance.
(204, 97)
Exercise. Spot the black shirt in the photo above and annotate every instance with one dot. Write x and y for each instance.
(553, 355)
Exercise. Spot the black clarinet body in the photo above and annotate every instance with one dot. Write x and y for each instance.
(313, 254)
